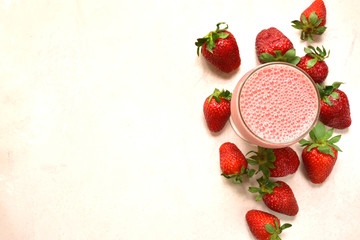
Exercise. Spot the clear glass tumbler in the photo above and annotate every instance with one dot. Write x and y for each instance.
(274, 105)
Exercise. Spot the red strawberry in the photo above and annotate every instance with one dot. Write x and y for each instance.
(319, 8)
(216, 109)
(313, 63)
(272, 45)
(264, 226)
(319, 156)
(282, 200)
(232, 162)
(335, 108)
(275, 162)
(312, 20)
(286, 162)
(277, 196)
(220, 49)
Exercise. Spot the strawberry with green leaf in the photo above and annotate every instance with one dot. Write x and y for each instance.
(278, 196)
(264, 226)
(265, 187)
(220, 49)
(335, 107)
(278, 162)
(313, 63)
(233, 163)
(312, 21)
(272, 45)
(216, 109)
(320, 154)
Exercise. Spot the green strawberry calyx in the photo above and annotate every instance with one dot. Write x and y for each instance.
(275, 231)
(264, 158)
(237, 177)
(321, 139)
(328, 90)
(309, 26)
(289, 56)
(317, 55)
(218, 95)
(265, 187)
(211, 37)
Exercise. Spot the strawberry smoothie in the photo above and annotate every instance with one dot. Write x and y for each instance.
(274, 105)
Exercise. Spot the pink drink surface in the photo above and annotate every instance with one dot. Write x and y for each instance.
(278, 103)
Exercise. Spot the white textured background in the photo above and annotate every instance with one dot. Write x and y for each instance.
(102, 134)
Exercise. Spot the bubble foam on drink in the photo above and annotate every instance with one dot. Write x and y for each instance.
(278, 103)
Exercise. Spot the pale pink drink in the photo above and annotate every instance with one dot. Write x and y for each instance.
(274, 105)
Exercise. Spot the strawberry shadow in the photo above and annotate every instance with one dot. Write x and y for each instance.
(317, 39)
(283, 217)
(240, 188)
(215, 134)
(341, 131)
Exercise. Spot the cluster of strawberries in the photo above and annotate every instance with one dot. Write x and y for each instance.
(319, 155)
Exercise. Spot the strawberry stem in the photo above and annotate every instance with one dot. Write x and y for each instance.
(321, 140)
(218, 95)
(211, 37)
(309, 26)
(223, 29)
(289, 56)
(317, 55)
(326, 91)
(237, 178)
(277, 230)
(265, 187)
(264, 158)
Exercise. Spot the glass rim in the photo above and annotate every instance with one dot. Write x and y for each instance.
(307, 76)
